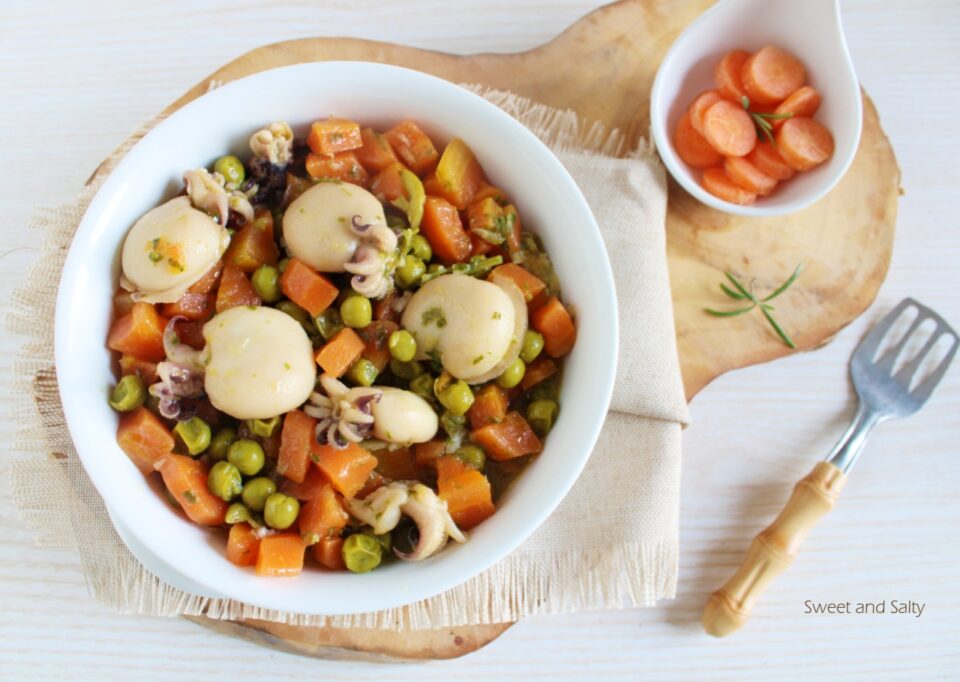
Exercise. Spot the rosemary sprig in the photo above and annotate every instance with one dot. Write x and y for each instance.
(742, 293)
(762, 121)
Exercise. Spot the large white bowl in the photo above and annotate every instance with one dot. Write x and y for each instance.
(547, 198)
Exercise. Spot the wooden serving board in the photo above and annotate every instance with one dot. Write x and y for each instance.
(603, 67)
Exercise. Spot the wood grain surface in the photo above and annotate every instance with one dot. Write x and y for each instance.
(83, 77)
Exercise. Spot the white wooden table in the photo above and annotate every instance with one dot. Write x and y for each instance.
(78, 77)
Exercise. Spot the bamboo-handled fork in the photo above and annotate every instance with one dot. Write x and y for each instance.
(883, 394)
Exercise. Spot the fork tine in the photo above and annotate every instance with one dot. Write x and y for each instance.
(905, 374)
(868, 346)
(889, 359)
(926, 387)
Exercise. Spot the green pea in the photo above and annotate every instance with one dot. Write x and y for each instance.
(239, 513)
(420, 247)
(406, 370)
(299, 314)
(512, 375)
(541, 415)
(128, 394)
(195, 434)
(247, 455)
(409, 274)
(231, 168)
(422, 385)
(280, 511)
(266, 282)
(453, 424)
(471, 455)
(532, 345)
(329, 323)
(362, 552)
(256, 492)
(356, 311)
(362, 372)
(282, 264)
(402, 345)
(546, 390)
(263, 428)
(221, 443)
(386, 542)
(224, 481)
(457, 397)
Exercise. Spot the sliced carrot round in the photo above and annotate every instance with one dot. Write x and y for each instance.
(802, 102)
(729, 129)
(727, 75)
(692, 148)
(769, 162)
(771, 74)
(716, 182)
(748, 176)
(803, 143)
(700, 105)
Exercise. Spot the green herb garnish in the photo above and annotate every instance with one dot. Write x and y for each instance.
(762, 121)
(478, 266)
(742, 293)
(434, 315)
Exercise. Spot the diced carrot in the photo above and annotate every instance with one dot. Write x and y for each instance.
(337, 354)
(190, 306)
(374, 481)
(770, 74)
(341, 166)
(531, 286)
(322, 516)
(716, 182)
(553, 321)
(483, 214)
(387, 185)
(375, 338)
(280, 555)
(144, 438)
(803, 143)
(727, 75)
(748, 176)
(459, 174)
(144, 369)
(139, 333)
(334, 135)
(769, 162)
(803, 102)
(699, 106)
(397, 465)
(442, 227)
(243, 545)
(425, 454)
(539, 370)
(692, 147)
(489, 406)
(329, 553)
(413, 146)
(729, 129)
(254, 244)
(295, 440)
(480, 246)
(432, 186)
(190, 332)
(312, 484)
(347, 469)
(376, 153)
(209, 282)
(186, 479)
(122, 302)
(307, 288)
(487, 190)
(466, 491)
(511, 438)
(235, 289)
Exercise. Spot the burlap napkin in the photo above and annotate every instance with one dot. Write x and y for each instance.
(612, 543)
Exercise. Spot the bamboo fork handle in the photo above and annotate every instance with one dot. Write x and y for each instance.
(773, 550)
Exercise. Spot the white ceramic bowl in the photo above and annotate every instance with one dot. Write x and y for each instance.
(811, 30)
(221, 121)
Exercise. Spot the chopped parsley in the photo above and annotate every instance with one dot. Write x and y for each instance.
(497, 315)
(477, 360)
(189, 496)
(434, 315)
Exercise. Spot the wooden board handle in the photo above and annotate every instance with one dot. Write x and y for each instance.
(773, 550)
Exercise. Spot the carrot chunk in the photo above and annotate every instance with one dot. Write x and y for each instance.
(413, 146)
(489, 406)
(347, 469)
(426, 454)
(322, 516)
(254, 244)
(553, 321)
(729, 129)
(280, 555)
(442, 227)
(387, 185)
(466, 491)
(186, 479)
(190, 306)
(344, 166)
(235, 289)
(307, 288)
(209, 282)
(144, 369)
(803, 143)
(139, 333)
(692, 147)
(243, 545)
(803, 102)
(334, 135)
(376, 153)
(337, 354)
(144, 438)
(716, 182)
(397, 465)
(295, 439)
(771, 74)
(329, 553)
(511, 438)
(727, 75)
(531, 286)
(700, 105)
(459, 174)
(769, 162)
(486, 190)
(539, 370)
(312, 484)
(748, 176)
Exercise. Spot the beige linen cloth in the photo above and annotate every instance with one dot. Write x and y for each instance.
(612, 543)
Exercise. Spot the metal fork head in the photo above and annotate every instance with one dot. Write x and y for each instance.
(888, 393)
